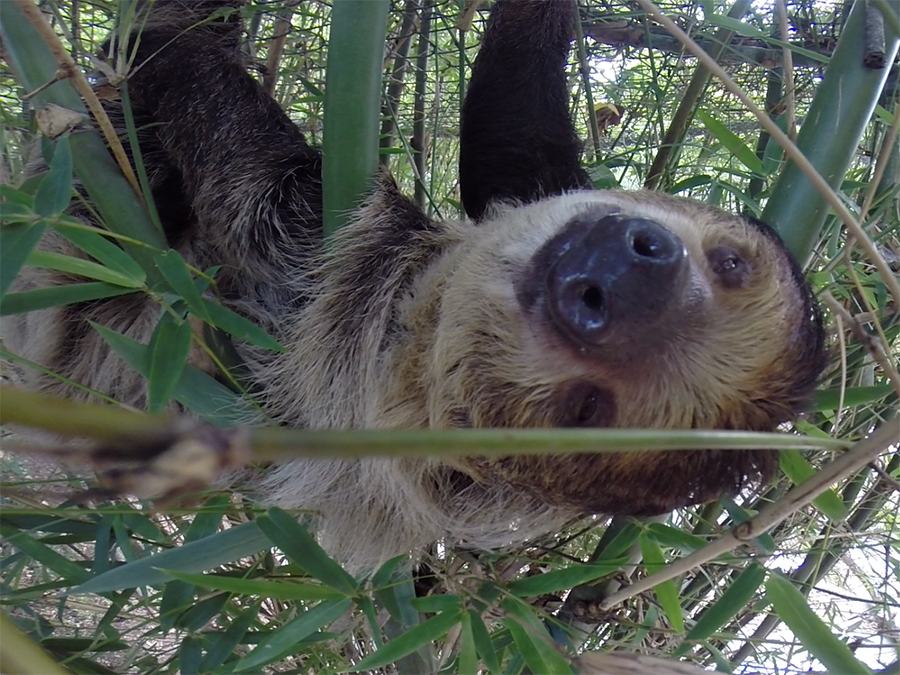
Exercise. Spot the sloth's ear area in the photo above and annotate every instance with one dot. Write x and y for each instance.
(517, 141)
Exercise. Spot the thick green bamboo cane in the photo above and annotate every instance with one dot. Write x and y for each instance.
(352, 106)
(829, 137)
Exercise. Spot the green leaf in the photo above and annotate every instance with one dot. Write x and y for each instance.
(43, 554)
(168, 352)
(16, 243)
(301, 547)
(58, 296)
(81, 267)
(675, 537)
(763, 542)
(286, 638)
(732, 142)
(563, 579)
(237, 326)
(196, 390)
(830, 399)
(798, 470)
(792, 608)
(176, 272)
(55, 191)
(666, 591)
(189, 655)
(104, 251)
(733, 600)
(285, 589)
(222, 647)
(207, 553)
(467, 659)
(411, 641)
(201, 613)
(395, 591)
(531, 637)
(483, 643)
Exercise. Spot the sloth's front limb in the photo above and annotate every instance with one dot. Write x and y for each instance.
(517, 140)
(251, 179)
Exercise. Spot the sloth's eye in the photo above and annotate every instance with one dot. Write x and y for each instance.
(586, 405)
(729, 266)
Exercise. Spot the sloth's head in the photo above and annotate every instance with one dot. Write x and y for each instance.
(612, 309)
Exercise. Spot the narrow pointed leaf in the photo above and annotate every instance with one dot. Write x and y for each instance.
(55, 191)
(733, 600)
(285, 638)
(204, 554)
(301, 547)
(58, 296)
(81, 267)
(666, 591)
(792, 608)
(412, 640)
(16, 243)
(168, 350)
(798, 470)
(563, 579)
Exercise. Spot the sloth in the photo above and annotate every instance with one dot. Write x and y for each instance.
(552, 305)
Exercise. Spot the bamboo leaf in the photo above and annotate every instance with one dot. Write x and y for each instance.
(196, 390)
(411, 641)
(104, 251)
(733, 600)
(16, 243)
(239, 327)
(562, 579)
(220, 649)
(467, 659)
(284, 589)
(284, 639)
(115, 200)
(732, 142)
(666, 591)
(301, 547)
(810, 630)
(483, 644)
(81, 267)
(798, 470)
(55, 191)
(58, 296)
(204, 554)
(168, 352)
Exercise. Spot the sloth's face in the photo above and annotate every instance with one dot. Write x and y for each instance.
(612, 309)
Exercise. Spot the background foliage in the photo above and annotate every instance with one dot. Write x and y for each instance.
(110, 586)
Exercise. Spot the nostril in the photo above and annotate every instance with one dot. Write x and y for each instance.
(592, 298)
(647, 245)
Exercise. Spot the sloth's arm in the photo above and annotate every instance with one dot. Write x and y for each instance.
(251, 179)
(517, 140)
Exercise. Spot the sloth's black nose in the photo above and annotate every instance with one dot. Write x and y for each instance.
(613, 272)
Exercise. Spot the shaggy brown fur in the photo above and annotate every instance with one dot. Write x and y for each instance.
(409, 323)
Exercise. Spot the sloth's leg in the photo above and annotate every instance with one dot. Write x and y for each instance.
(517, 140)
(250, 177)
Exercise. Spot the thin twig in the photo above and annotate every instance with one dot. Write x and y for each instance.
(853, 226)
(73, 72)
